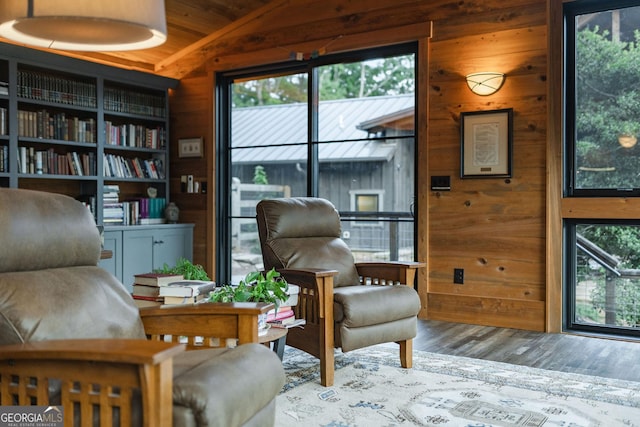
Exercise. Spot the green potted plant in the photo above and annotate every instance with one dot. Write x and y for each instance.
(255, 287)
(186, 268)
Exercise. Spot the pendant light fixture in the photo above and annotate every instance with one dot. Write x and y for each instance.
(84, 25)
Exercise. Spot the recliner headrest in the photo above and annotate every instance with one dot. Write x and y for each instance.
(299, 217)
(40, 230)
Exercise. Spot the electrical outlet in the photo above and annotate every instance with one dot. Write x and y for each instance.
(458, 276)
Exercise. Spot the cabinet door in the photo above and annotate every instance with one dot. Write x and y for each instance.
(171, 244)
(113, 243)
(137, 254)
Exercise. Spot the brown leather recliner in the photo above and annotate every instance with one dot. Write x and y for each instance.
(71, 335)
(346, 305)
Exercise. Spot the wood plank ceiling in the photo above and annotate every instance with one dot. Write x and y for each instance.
(193, 27)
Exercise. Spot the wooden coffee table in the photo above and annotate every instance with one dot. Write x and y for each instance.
(277, 337)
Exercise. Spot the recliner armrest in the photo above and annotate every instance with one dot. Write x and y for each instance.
(390, 272)
(80, 370)
(132, 351)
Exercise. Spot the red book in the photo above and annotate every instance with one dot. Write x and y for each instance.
(281, 315)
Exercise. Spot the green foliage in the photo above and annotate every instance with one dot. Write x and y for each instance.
(623, 242)
(185, 267)
(588, 313)
(608, 105)
(388, 76)
(260, 175)
(376, 77)
(255, 287)
(626, 301)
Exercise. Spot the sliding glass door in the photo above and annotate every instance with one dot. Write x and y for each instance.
(337, 127)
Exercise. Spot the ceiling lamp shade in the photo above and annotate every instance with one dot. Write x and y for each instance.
(485, 83)
(86, 25)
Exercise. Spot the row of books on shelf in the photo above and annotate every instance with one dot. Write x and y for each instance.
(4, 158)
(44, 86)
(160, 288)
(48, 161)
(134, 212)
(116, 166)
(125, 101)
(132, 135)
(4, 129)
(138, 211)
(43, 124)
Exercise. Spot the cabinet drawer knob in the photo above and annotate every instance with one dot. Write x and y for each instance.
(158, 242)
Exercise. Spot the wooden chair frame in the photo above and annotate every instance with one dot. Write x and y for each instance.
(103, 374)
(315, 305)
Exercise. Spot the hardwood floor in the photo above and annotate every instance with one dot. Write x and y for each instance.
(561, 352)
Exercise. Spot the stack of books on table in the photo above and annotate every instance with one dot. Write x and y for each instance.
(284, 317)
(146, 287)
(186, 291)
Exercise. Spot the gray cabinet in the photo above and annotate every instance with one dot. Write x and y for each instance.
(142, 249)
(112, 241)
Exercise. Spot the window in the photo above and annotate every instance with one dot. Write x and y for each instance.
(603, 98)
(604, 295)
(602, 268)
(341, 127)
(367, 201)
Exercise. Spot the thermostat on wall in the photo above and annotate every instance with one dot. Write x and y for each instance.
(440, 183)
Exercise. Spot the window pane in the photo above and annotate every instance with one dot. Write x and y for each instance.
(388, 240)
(607, 116)
(367, 203)
(268, 156)
(366, 149)
(607, 285)
(264, 179)
(246, 253)
(269, 110)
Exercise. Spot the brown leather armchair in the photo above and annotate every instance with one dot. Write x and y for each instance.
(71, 335)
(346, 305)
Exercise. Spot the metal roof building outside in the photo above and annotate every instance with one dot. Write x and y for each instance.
(278, 133)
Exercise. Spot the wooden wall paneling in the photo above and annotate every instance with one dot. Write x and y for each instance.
(423, 172)
(590, 208)
(554, 253)
(191, 117)
(519, 314)
(493, 228)
(267, 54)
(516, 14)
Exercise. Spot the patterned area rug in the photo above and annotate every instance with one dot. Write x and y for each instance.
(371, 389)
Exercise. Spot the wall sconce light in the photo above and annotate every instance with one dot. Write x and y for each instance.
(85, 25)
(485, 83)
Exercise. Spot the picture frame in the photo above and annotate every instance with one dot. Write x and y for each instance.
(190, 147)
(486, 144)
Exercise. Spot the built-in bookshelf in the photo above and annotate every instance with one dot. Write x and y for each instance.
(76, 127)
(4, 123)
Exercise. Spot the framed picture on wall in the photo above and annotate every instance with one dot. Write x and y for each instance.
(190, 147)
(486, 143)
